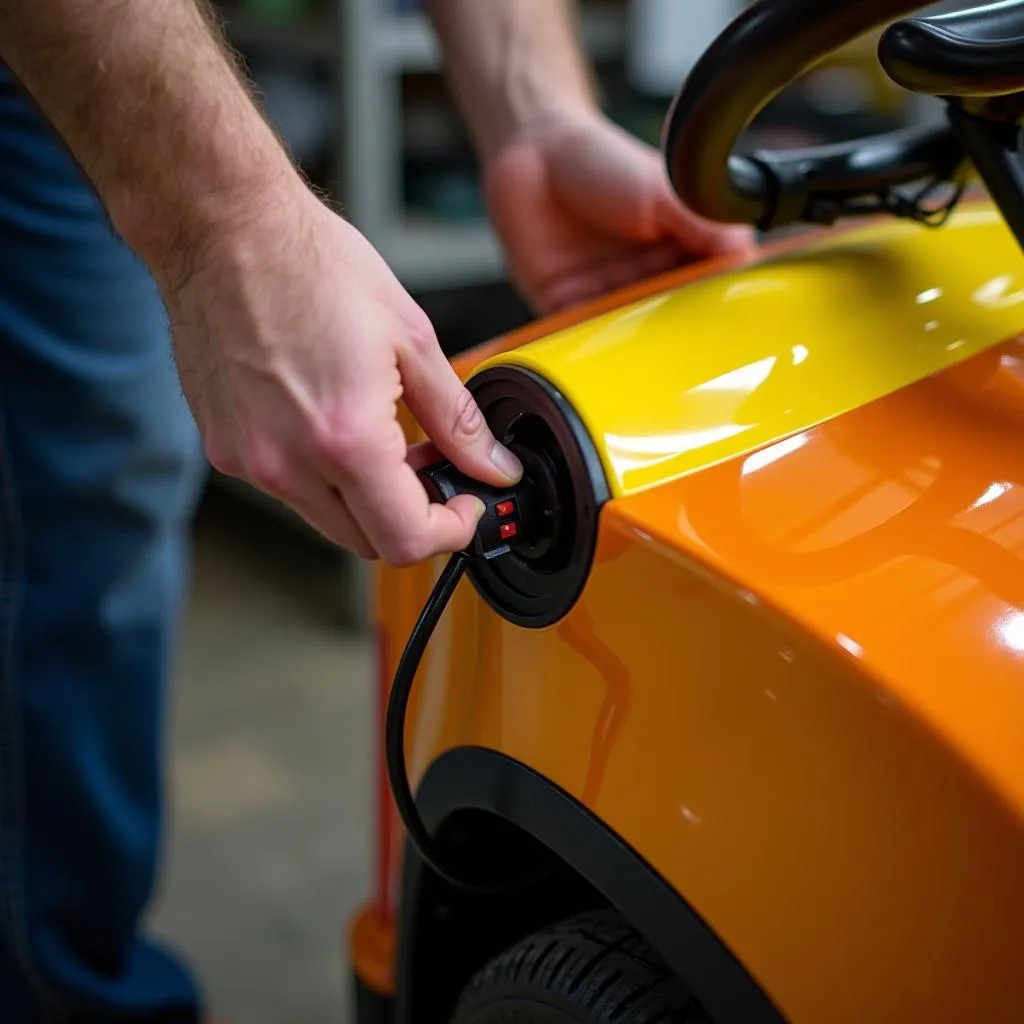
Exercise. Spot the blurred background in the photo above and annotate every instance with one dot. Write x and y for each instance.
(272, 746)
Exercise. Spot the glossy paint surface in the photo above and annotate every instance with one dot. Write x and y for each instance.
(795, 684)
(795, 680)
(895, 535)
(697, 374)
(893, 539)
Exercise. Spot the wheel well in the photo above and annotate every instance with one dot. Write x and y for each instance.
(456, 931)
(500, 819)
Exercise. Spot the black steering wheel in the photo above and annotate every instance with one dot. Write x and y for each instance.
(973, 59)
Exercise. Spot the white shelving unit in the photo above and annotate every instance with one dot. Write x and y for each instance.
(378, 49)
(368, 48)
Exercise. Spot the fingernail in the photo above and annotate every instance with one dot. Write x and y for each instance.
(481, 508)
(506, 462)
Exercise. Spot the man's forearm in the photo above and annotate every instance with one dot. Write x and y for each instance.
(513, 64)
(150, 104)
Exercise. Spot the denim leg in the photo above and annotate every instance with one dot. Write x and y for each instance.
(100, 469)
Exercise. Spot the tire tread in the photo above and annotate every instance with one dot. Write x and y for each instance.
(593, 968)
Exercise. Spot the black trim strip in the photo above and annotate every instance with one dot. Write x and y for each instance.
(471, 778)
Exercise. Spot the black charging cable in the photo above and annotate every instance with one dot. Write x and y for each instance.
(398, 703)
(525, 516)
(518, 514)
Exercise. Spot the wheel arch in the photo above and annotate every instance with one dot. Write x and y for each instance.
(565, 859)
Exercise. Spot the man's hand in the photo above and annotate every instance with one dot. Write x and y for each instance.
(295, 343)
(293, 339)
(583, 207)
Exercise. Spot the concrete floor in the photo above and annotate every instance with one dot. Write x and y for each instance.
(271, 766)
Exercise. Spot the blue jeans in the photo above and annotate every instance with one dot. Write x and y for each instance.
(100, 469)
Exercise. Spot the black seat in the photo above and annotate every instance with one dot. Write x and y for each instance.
(977, 52)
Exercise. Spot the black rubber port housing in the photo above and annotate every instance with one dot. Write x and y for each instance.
(538, 580)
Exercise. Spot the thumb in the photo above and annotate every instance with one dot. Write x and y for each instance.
(450, 416)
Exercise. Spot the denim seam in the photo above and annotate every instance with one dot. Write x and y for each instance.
(12, 762)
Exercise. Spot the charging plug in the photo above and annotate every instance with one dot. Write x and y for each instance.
(513, 515)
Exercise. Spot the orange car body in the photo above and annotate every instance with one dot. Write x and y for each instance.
(793, 685)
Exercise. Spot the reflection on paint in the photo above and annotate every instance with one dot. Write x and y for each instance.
(670, 444)
(849, 645)
(752, 288)
(631, 452)
(690, 816)
(767, 456)
(577, 631)
(995, 491)
(997, 294)
(1011, 632)
(744, 378)
(628, 453)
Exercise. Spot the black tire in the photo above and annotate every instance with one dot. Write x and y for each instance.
(590, 969)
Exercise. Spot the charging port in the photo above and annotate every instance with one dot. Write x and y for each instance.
(541, 576)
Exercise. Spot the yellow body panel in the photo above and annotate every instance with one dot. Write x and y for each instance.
(720, 366)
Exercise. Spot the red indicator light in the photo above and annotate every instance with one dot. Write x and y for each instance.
(508, 530)
(505, 508)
